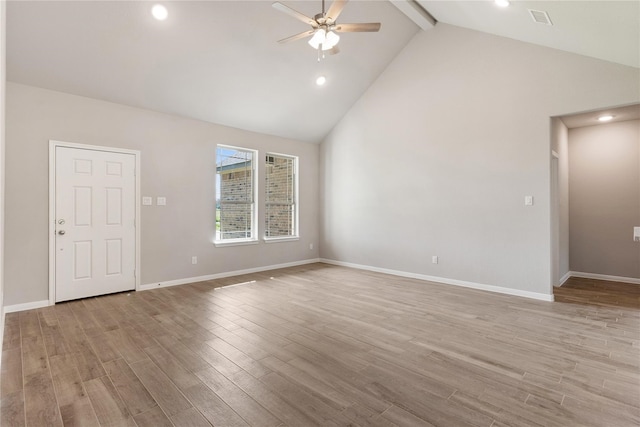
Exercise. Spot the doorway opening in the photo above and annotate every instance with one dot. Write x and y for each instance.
(595, 196)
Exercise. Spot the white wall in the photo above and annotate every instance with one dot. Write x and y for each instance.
(3, 27)
(178, 162)
(604, 182)
(437, 157)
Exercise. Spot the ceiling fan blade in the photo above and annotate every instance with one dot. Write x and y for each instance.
(357, 28)
(297, 36)
(335, 9)
(286, 9)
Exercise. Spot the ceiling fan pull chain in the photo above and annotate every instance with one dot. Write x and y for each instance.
(320, 53)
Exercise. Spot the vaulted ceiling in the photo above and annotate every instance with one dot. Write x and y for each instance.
(219, 61)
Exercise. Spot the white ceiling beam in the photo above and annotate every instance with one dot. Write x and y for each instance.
(416, 13)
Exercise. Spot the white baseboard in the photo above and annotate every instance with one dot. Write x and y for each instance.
(45, 303)
(603, 277)
(26, 306)
(564, 279)
(224, 274)
(473, 285)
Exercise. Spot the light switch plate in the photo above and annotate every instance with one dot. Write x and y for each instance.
(147, 201)
(528, 200)
(161, 201)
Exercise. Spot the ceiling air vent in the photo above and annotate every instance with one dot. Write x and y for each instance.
(540, 16)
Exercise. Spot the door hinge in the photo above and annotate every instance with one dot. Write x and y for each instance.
(134, 273)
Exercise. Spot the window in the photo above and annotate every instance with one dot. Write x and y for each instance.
(281, 216)
(235, 194)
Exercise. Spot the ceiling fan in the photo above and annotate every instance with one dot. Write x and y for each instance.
(324, 27)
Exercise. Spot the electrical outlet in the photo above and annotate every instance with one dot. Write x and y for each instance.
(194, 260)
(147, 201)
(161, 201)
(434, 259)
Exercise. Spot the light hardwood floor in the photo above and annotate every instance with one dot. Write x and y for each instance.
(321, 345)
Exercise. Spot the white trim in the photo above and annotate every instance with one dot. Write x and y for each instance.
(238, 242)
(53, 144)
(26, 306)
(473, 285)
(296, 196)
(52, 220)
(604, 277)
(280, 239)
(224, 274)
(255, 179)
(564, 278)
(93, 147)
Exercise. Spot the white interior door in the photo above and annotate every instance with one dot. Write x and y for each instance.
(95, 231)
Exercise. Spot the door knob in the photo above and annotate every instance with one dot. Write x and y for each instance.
(61, 232)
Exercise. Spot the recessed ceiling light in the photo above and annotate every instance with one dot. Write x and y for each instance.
(321, 80)
(605, 118)
(159, 12)
(502, 3)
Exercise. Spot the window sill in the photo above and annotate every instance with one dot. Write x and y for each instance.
(280, 239)
(238, 242)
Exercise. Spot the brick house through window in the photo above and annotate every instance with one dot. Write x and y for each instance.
(235, 203)
(280, 194)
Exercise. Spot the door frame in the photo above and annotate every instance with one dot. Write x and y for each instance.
(53, 144)
(555, 220)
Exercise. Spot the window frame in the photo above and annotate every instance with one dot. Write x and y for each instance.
(295, 204)
(255, 204)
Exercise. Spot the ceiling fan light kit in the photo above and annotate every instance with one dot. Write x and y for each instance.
(324, 27)
(324, 40)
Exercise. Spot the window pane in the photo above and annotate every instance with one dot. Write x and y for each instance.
(279, 174)
(280, 220)
(235, 193)
(235, 221)
(235, 168)
(280, 195)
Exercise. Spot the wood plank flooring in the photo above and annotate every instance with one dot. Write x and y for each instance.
(598, 292)
(322, 345)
